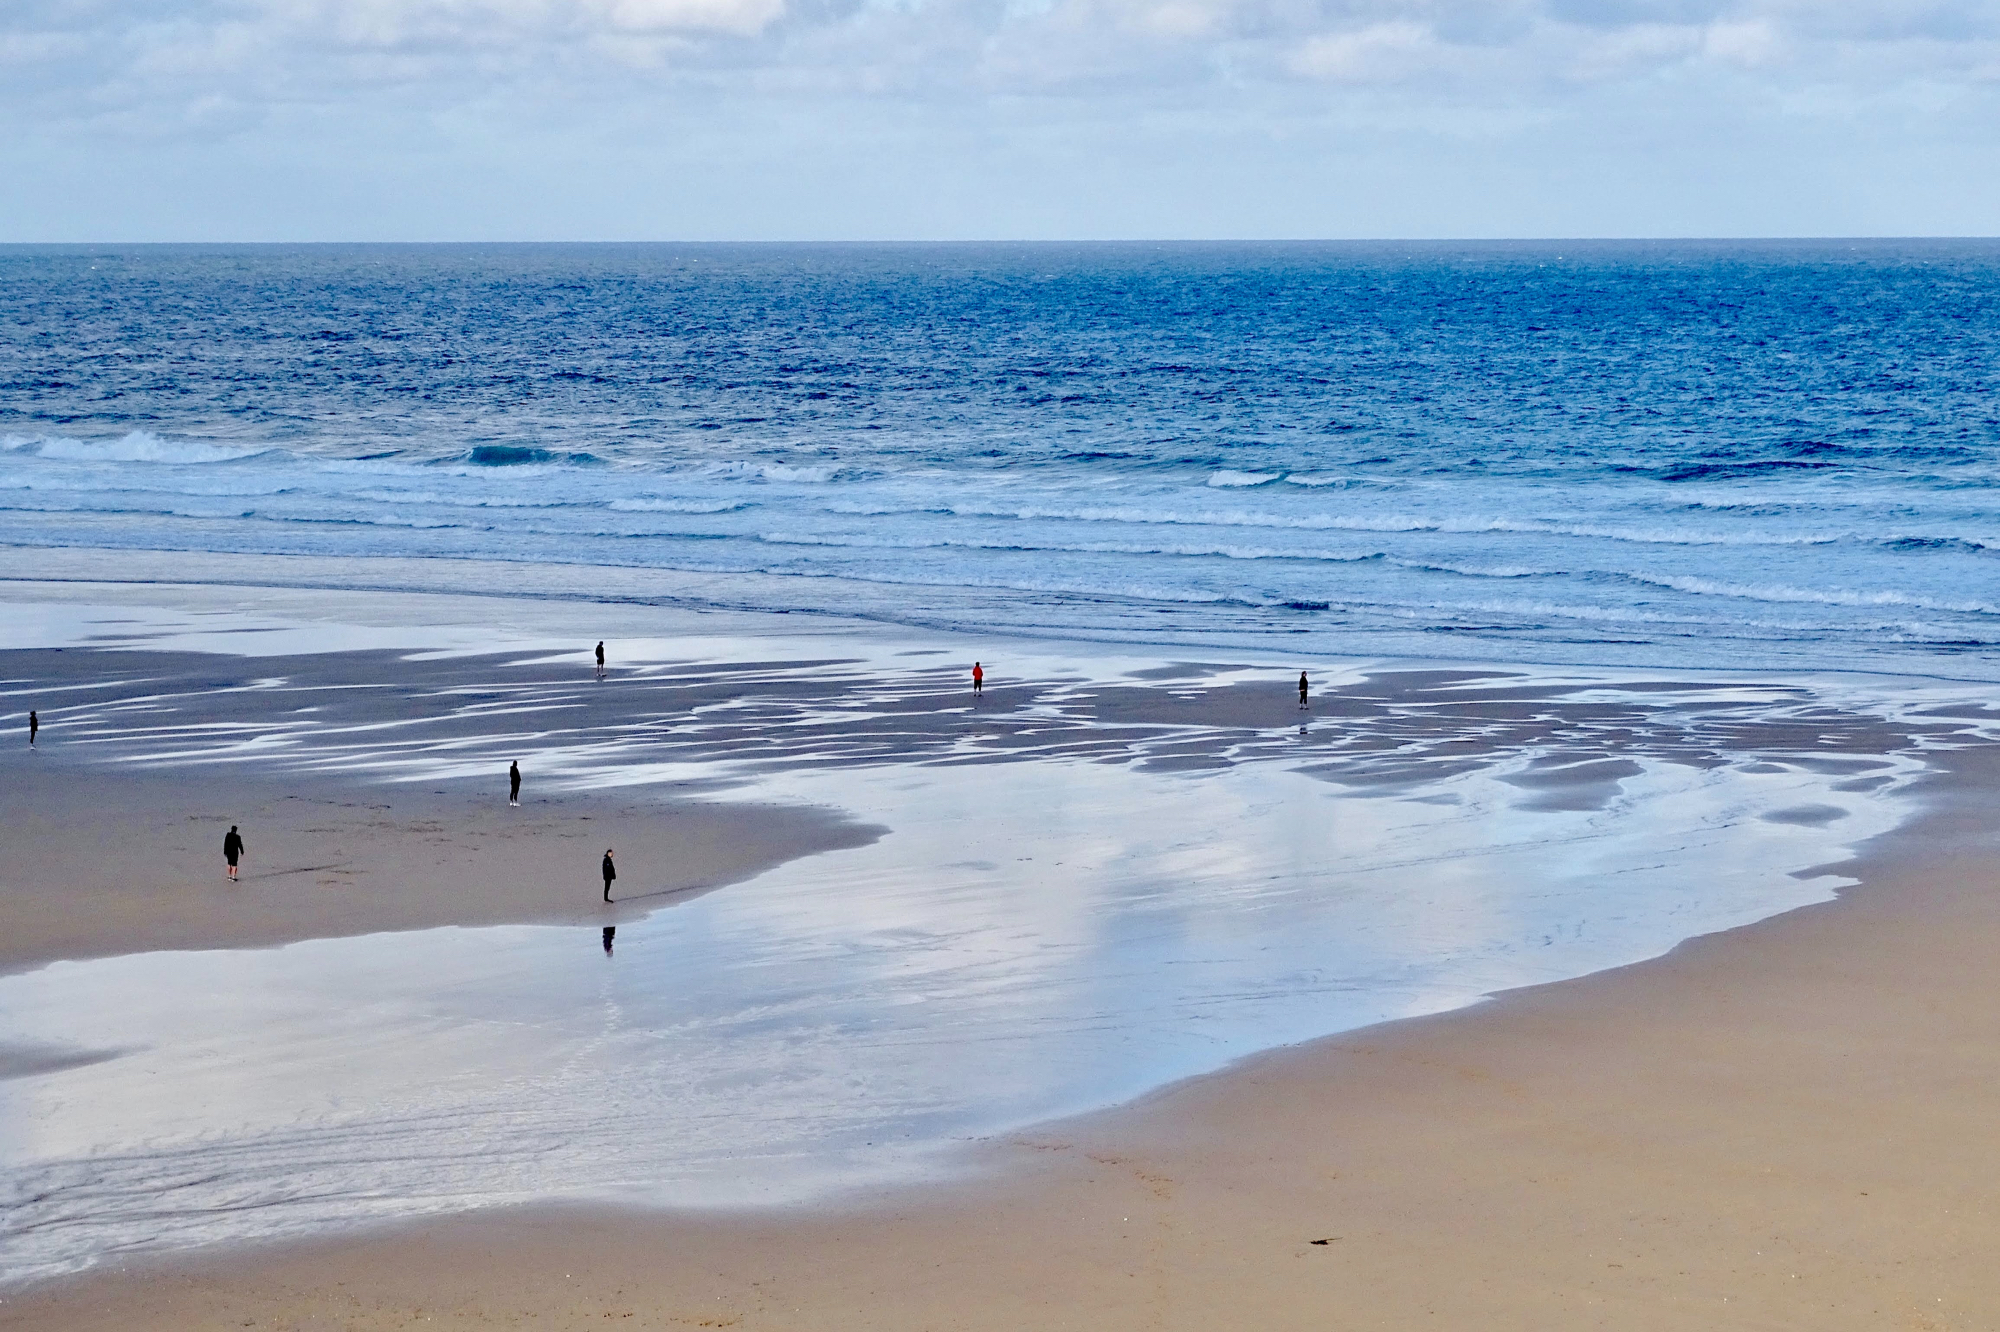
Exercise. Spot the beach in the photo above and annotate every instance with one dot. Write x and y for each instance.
(1784, 1126)
(1763, 1107)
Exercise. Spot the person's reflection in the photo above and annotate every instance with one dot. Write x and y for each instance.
(610, 932)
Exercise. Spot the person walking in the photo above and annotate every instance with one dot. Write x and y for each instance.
(232, 847)
(978, 678)
(34, 725)
(514, 782)
(1302, 690)
(600, 659)
(610, 872)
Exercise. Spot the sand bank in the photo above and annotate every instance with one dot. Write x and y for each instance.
(102, 862)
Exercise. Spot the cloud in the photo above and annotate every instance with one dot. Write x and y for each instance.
(1379, 53)
(884, 98)
(85, 59)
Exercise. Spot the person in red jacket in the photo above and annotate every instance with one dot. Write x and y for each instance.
(978, 678)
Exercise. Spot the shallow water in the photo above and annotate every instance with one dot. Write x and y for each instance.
(1047, 927)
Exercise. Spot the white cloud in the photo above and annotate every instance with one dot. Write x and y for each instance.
(985, 93)
(1748, 42)
(76, 57)
(1379, 53)
(743, 18)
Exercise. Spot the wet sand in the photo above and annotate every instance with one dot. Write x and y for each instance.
(101, 863)
(1788, 1125)
(331, 763)
(1785, 1125)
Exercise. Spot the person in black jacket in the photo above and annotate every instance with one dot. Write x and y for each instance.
(514, 782)
(232, 847)
(610, 873)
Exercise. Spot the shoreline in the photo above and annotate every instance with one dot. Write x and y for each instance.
(637, 601)
(1184, 1138)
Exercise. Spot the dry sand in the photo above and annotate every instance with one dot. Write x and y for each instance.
(1790, 1125)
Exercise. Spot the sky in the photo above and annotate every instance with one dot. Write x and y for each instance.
(304, 120)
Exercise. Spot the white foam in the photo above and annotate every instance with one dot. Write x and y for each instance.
(1387, 523)
(137, 446)
(1830, 596)
(749, 471)
(677, 505)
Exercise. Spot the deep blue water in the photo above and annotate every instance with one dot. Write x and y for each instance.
(1744, 454)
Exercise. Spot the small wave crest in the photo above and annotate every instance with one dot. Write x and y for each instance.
(1384, 523)
(1227, 479)
(676, 506)
(134, 446)
(1832, 596)
(767, 471)
(1941, 545)
(516, 455)
(863, 541)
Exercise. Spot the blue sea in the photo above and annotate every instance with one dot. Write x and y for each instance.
(1774, 455)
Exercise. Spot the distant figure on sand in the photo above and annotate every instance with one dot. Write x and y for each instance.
(978, 678)
(232, 847)
(514, 782)
(610, 873)
(1302, 689)
(34, 725)
(610, 933)
(600, 659)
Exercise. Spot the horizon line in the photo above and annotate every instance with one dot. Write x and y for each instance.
(1051, 241)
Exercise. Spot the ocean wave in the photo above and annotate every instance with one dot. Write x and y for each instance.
(534, 501)
(854, 541)
(1739, 471)
(1384, 523)
(134, 446)
(205, 485)
(1224, 479)
(678, 506)
(1492, 571)
(1778, 592)
(1957, 545)
(413, 523)
(516, 455)
(749, 471)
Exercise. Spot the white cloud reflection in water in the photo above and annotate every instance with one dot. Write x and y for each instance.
(1030, 939)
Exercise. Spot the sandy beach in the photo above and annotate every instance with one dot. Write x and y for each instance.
(130, 862)
(1786, 1124)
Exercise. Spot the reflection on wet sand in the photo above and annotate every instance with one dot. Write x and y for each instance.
(1102, 881)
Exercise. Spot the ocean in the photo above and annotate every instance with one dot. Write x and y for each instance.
(1771, 455)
